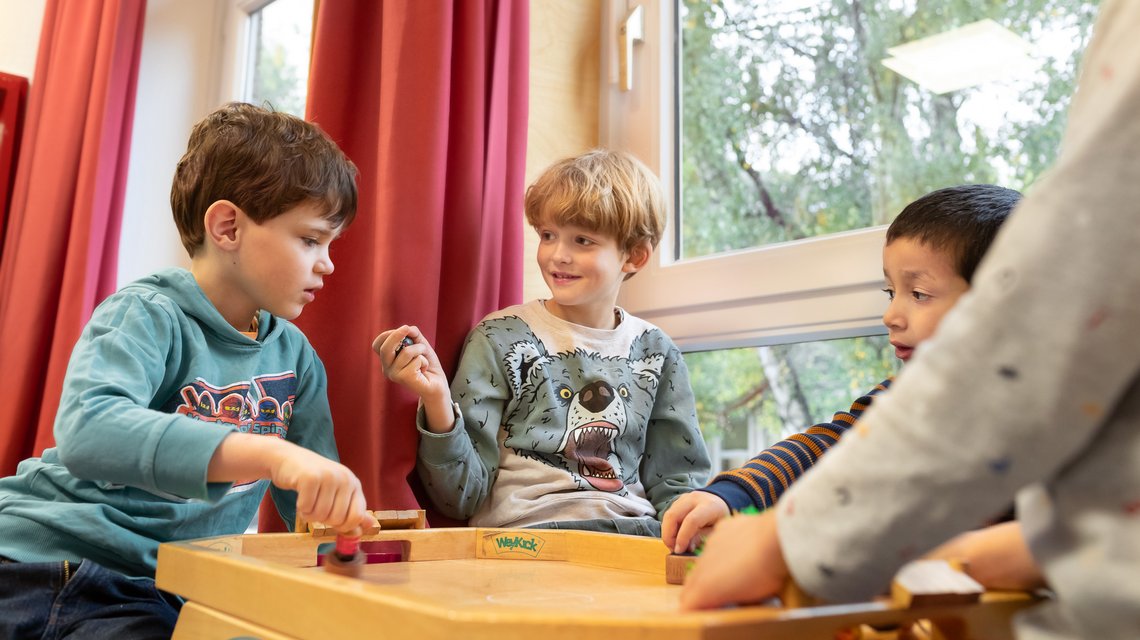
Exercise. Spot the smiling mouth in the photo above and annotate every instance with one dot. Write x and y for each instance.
(563, 279)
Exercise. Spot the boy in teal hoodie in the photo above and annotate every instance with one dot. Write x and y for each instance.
(189, 394)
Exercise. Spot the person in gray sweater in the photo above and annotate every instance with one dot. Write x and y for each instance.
(1035, 372)
(566, 412)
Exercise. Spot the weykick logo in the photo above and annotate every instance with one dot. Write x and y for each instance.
(506, 543)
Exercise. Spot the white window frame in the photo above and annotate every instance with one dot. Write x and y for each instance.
(236, 50)
(812, 289)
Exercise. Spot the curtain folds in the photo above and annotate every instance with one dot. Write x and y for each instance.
(60, 250)
(429, 99)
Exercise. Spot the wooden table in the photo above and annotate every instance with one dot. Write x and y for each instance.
(494, 584)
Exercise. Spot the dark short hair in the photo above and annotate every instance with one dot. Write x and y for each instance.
(263, 161)
(961, 221)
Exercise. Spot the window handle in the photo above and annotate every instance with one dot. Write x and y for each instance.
(632, 31)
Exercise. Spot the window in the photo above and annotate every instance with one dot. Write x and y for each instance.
(801, 118)
(773, 392)
(268, 60)
(278, 64)
(789, 133)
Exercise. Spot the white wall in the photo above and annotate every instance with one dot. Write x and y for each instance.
(20, 22)
(177, 86)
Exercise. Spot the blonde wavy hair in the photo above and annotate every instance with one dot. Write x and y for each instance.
(605, 191)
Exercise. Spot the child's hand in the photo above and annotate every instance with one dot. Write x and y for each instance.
(741, 562)
(327, 492)
(690, 518)
(409, 360)
(996, 556)
(414, 365)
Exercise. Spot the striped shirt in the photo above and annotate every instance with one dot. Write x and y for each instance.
(764, 478)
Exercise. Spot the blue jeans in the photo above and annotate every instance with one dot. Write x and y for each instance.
(49, 600)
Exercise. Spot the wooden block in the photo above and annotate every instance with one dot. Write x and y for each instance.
(933, 583)
(319, 530)
(677, 566)
(406, 519)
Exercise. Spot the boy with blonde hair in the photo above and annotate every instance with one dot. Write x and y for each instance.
(566, 412)
(189, 394)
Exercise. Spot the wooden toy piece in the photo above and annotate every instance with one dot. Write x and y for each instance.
(933, 582)
(320, 530)
(405, 519)
(372, 551)
(346, 558)
(677, 566)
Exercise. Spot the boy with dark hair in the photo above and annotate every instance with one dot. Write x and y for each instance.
(929, 256)
(189, 394)
(567, 412)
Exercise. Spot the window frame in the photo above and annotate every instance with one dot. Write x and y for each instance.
(812, 289)
(234, 76)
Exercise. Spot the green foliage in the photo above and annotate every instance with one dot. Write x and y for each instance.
(281, 35)
(730, 385)
(792, 127)
(277, 82)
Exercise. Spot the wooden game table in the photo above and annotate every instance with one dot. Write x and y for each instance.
(498, 584)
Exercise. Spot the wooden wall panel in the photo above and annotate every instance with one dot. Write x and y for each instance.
(564, 84)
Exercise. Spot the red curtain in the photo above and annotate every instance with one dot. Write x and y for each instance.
(60, 250)
(429, 99)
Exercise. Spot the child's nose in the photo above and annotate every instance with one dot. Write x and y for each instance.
(893, 318)
(562, 253)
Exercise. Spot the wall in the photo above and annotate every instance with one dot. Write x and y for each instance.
(177, 87)
(564, 81)
(20, 22)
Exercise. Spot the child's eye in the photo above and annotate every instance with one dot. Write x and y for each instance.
(890, 293)
(545, 235)
(584, 241)
(310, 242)
(920, 296)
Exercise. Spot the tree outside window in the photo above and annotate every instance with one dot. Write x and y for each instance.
(793, 127)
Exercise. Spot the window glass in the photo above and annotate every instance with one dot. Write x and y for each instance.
(808, 117)
(748, 399)
(280, 43)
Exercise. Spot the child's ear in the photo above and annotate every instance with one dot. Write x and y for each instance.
(221, 224)
(638, 257)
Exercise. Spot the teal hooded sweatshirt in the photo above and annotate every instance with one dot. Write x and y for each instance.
(156, 381)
